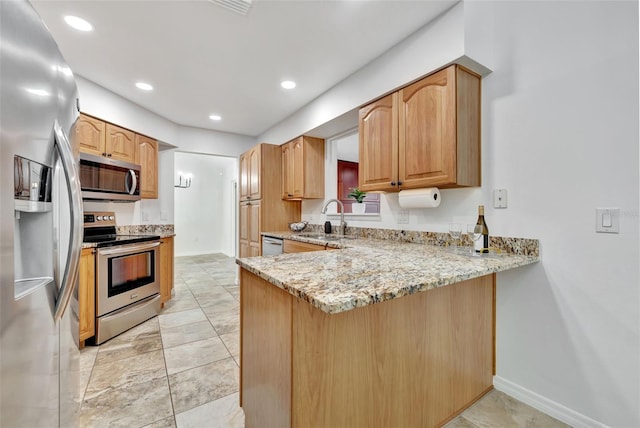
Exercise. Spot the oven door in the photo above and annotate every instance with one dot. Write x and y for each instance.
(126, 274)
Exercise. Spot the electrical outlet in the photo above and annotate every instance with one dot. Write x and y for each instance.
(500, 198)
(403, 217)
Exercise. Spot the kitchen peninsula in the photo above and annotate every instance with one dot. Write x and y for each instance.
(376, 333)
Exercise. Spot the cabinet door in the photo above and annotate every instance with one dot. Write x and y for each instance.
(254, 229)
(90, 133)
(244, 176)
(297, 150)
(86, 295)
(378, 134)
(147, 157)
(166, 269)
(287, 171)
(244, 229)
(427, 133)
(120, 143)
(254, 173)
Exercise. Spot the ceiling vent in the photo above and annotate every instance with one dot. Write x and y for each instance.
(238, 6)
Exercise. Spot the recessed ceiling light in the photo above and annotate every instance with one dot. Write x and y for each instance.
(144, 86)
(78, 23)
(215, 117)
(288, 84)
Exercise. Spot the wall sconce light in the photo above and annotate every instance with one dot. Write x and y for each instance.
(187, 181)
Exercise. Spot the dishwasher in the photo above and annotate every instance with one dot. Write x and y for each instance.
(271, 246)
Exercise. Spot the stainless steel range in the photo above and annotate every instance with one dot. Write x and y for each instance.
(127, 275)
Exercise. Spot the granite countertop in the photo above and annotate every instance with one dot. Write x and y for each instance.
(365, 271)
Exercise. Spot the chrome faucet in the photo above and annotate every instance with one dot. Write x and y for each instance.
(343, 224)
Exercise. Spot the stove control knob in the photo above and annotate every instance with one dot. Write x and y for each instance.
(112, 218)
(99, 218)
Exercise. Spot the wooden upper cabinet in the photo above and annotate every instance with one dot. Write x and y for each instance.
(250, 171)
(255, 183)
(120, 143)
(90, 133)
(378, 145)
(437, 132)
(147, 157)
(244, 176)
(303, 168)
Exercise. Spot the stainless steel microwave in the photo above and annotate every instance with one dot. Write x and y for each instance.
(104, 179)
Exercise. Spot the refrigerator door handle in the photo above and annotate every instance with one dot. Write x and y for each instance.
(69, 165)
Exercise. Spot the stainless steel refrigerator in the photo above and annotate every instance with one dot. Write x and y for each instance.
(40, 226)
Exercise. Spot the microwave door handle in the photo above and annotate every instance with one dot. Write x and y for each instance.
(69, 165)
(134, 182)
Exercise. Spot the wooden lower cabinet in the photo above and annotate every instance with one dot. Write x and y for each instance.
(415, 361)
(166, 269)
(87, 295)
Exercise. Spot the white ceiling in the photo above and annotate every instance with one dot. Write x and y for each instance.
(203, 59)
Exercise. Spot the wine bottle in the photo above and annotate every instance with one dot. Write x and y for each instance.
(482, 245)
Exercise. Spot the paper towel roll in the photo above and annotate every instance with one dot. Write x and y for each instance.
(419, 198)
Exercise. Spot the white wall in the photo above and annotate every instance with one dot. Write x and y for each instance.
(560, 133)
(203, 222)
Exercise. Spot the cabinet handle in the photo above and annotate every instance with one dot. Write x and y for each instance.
(289, 195)
(399, 183)
(393, 183)
(109, 155)
(104, 154)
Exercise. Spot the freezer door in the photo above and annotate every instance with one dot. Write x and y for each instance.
(37, 89)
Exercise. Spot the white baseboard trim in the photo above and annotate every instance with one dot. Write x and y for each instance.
(551, 408)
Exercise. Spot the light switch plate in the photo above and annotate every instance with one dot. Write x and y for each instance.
(500, 198)
(605, 216)
(403, 217)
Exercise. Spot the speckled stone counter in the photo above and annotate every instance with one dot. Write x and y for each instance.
(365, 271)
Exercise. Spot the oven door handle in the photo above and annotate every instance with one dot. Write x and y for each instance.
(128, 249)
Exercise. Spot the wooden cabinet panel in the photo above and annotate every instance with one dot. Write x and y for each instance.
(287, 171)
(264, 210)
(147, 158)
(120, 143)
(427, 131)
(426, 134)
(378, 145)
(303, 168)
(291, 246)
(90, 134)
(249, 234)
(166, 269)
(244, 176)
(255, 241)
(255, 188)
(87, 295)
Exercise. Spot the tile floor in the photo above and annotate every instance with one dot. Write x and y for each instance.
(181, 368)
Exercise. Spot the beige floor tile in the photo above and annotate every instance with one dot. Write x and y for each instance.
(182, 334)
(232, 342)
(88, 356)
(139, 340)
(225, 322)
(224, 412)
(177, 305)
(181, 318)
(217, 300)
(496, 409)
(192, 388)
(460, 422)
(169, 422)
(195, 354)
(132, 406)
(126, 372)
